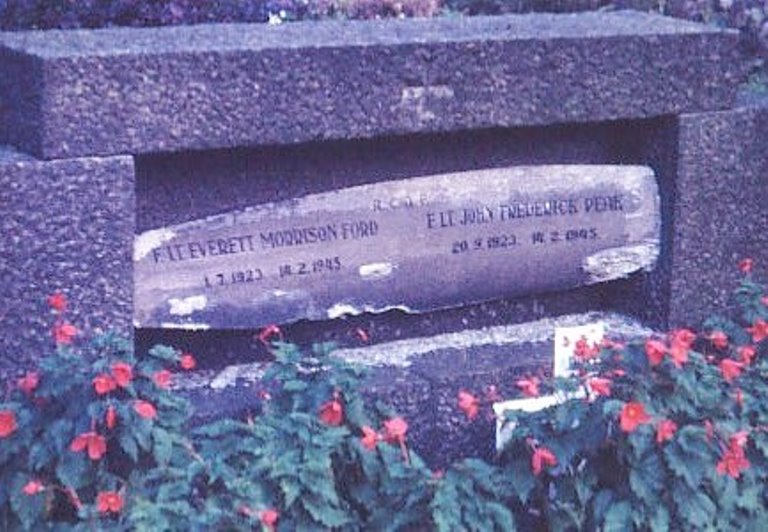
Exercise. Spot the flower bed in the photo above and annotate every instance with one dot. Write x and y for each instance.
(671, 432)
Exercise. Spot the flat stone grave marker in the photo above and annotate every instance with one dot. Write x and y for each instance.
(416, 244)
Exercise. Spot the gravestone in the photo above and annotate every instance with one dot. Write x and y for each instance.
(418, 245)
(205, 138)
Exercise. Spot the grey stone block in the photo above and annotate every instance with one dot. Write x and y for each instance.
(421, 378)
(399, 244)
(112, 91)
(67, 226)
(721, 208)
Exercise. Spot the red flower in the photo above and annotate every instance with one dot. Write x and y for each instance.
(759, 330)
(764, 300)
(583, 351)
(739, 438)
(264, 395)
(187, 361)
(745, 265)
(395, 430)
(29, 382)
(730, 369)
(655, 350)
(683, 336)
(7, 423)
(145, 409)
(600, 386)
(681, 342)
(370, 438)
(679, 354)
(268, 333)
(110, 418)
(665, 430)
(63, 333)
(95, 443)
(162, 378)
(109, 501)
(633, 415)
(529, 387)
(103, 384)
(332, 413)
(469, 404)
(542, 457)
(747, 353)
(57, 302)
(33, 487)
(612, 344)
(269, 518)
(719, 339)
(123, 373)
(733, 461)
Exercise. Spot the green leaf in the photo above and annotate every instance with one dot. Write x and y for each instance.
(40, 455)
(294, 386)
(170, 491)
(601, 504)
(659, 519)
(749, 498)
(691, 465)
(163, 352)
(291, 489)
(142, 432)
(446, 510)
(521, 477)
(163, 445)
(323, 513)
(694, 506)
(128, 445)
(73, 470)
(61, 430)
(618, 518)
(761, 442)
(498, 517)
(612, 407)
(646, 479)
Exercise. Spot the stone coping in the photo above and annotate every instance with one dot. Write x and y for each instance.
(147, 90)
(104, 42)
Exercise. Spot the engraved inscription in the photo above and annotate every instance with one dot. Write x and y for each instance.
(421, 243)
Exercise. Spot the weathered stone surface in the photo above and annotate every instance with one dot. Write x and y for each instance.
(67, 226)
(720, 208)
(148, 90)
(417, 244)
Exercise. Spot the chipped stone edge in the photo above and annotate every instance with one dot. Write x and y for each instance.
(619, 262)
(401, 353)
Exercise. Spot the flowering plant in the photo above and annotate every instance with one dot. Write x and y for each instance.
(667, 432)
(671, 431)
(74, 432)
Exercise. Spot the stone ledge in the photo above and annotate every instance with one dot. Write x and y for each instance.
(112, 91)
(421, 377)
